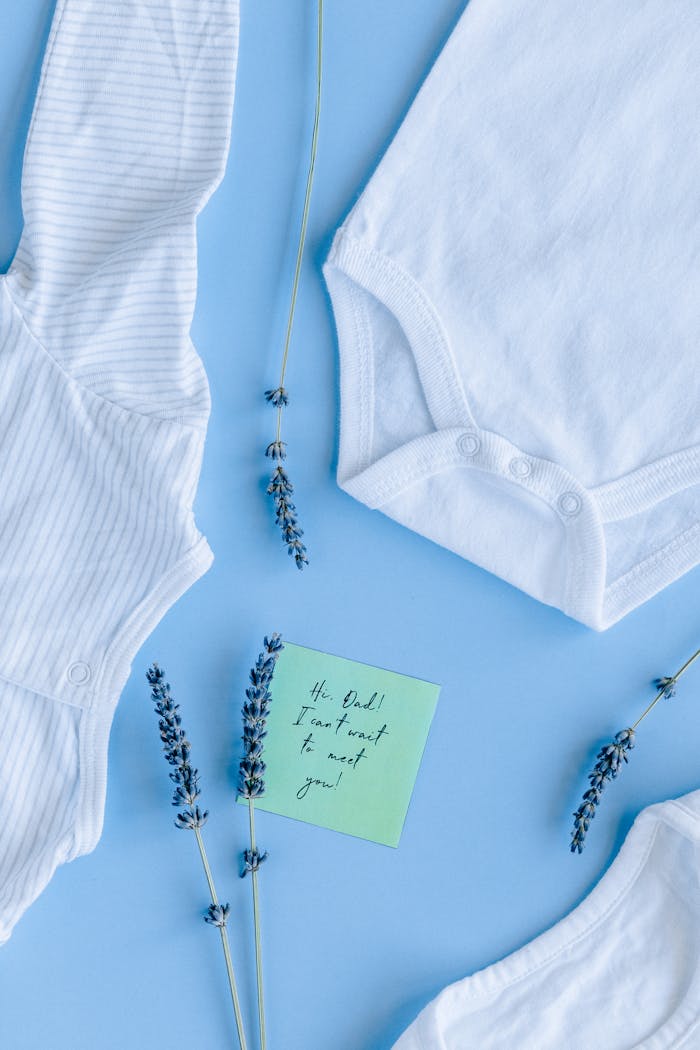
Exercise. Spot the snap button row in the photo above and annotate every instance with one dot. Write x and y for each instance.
(569, 503)
(520, 468)
(469, 444)
(78, 673)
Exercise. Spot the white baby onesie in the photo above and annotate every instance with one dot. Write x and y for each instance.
(518, 306)
(103, 400)
(622, 971)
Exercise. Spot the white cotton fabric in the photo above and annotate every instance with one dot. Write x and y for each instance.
(621, 971)
(103, 400)
(518, 306)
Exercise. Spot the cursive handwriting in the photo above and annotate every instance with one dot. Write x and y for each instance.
(317, 782)
(318, 721)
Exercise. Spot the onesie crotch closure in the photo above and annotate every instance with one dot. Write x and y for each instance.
(570, 502)
(517, 515)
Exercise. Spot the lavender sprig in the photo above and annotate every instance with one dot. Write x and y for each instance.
(251, 785)
(613, 756)
(610, 759)
(177, 750)
(255, 711)
(285, 510)
(281, 489)
(187, 791)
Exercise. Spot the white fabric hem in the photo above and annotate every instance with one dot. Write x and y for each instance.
(471, 993)
(354, 271)
(96, 722)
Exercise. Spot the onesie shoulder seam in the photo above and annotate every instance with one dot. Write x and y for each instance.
(175, 421)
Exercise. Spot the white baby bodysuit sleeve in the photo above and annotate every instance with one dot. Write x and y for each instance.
(103, 399)
(128, 140)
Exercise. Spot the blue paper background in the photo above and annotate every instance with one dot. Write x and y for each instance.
(357, 937)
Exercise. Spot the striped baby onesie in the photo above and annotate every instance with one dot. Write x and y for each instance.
(103, 399)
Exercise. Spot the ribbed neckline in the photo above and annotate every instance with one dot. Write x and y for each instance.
(586, 918)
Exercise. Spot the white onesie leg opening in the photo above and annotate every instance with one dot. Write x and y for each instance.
(413, 447)
(650, 548)
(410, 446)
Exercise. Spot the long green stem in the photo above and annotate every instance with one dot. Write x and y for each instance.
(224, 942)
(256, 920)
(307, 204)
(662, 692)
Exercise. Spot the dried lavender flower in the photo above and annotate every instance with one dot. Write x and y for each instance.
(255, 710)
(281, 489)
(251, 785)
(177, 752)
(610, 759)
(187, 790)
(217, 915)
(276, 450)
(252, 859)
(285, 511)
(191, 818)
(612, 756)
(277, 397)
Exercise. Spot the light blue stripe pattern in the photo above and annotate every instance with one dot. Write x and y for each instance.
(104, 401)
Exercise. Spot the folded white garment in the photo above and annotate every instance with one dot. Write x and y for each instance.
(103, 399)
(518, 306)
(622, 971)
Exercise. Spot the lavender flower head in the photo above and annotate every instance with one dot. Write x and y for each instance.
(252, 859)
(217, 915)
(251, 784)
(277, 397)
(281, 489)
(276, 450)
(177, 752)
(610, 761)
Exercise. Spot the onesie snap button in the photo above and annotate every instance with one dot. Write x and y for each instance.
(469, 444)
(78, 673)
(569, 504)
(519, 467)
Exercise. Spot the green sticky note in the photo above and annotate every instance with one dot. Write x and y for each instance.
(344, 743)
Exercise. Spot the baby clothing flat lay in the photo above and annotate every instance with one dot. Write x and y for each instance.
(517, 311)
(620, 971)
(104, 401)
(522, 271)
